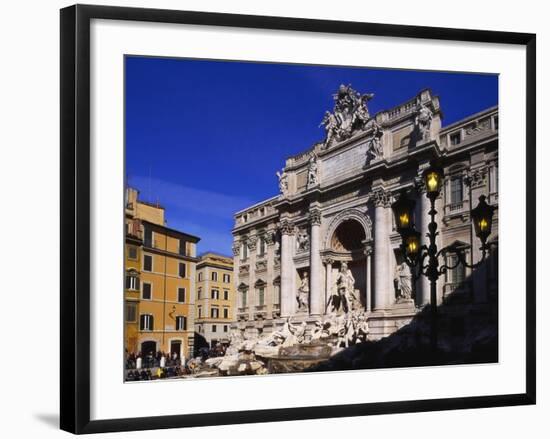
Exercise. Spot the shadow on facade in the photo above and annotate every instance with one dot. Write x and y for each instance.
(467, 334)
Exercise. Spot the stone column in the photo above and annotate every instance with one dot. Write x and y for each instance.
(287, 288)
(368, 279)
(235, 278)
(316, 305)
(328, 287)
(252, 299)
(270, 258)
(382, 224)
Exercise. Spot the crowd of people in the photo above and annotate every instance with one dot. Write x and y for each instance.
(152, 359)
(156, 373)
(158, 365)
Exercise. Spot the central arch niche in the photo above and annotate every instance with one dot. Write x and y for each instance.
(345, 240)
(348, 236)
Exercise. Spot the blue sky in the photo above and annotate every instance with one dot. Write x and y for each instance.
(204, 138)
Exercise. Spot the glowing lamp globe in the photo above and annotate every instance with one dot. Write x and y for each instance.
(403, 211)
(482, 217)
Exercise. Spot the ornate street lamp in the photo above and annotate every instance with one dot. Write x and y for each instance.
(411, 244)
(403, 210)
(433, 179)
(415, 254)
(482, 217)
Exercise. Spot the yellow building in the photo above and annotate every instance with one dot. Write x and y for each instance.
(215, 300)
(160, 280)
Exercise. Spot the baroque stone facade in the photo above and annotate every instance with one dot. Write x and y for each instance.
(330, 233)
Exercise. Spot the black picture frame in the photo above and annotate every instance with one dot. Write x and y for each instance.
(75, 217)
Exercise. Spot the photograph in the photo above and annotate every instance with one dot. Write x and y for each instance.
(296, 218)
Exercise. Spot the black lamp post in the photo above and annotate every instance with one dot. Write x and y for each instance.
(415, 254)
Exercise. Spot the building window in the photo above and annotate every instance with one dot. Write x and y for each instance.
(457, 274)
(456, 190)
(214, 276)
(131, 311)
(181, 323)
(225, 328)
(215, 294)
(146, 292)
(199, 293)
(147, 263)
(147, 236)
(200, 312)
(182, 269)
(225, 313)
(244, 298)
(132, 281)
(214, 313)
(226, 278)
(146, 322)
(181, 295)
(261, 247)
(455, 138)
(225, 295)
(182, 247)
(245, 250)
(214, 328)
(132, 252)
(261, 296)
(200, 276)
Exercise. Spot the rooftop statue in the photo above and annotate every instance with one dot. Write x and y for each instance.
(350, 114)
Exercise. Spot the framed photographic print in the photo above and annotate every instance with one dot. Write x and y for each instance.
(305, 218)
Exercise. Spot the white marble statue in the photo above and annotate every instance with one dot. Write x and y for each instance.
(312, 178)
(345, 287)
(403, 278)
(283, 181)
(350, 113)
(423, 121)
(303, 293)
(374, 144)
(302, 241)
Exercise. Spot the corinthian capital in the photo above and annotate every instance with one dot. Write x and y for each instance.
(236, 248)
(315, 217)
(252, 240)
(287, 228)
(381, 198)
(420, 184)
(368, 250)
